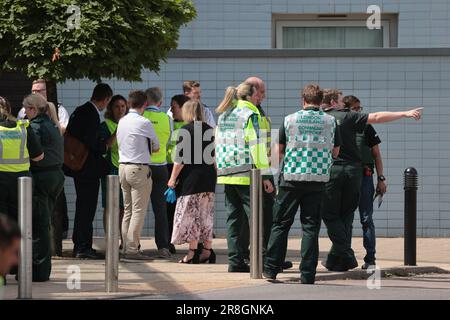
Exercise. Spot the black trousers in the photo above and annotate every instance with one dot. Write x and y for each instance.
(9, 194)
(160, 178)
(85, 208)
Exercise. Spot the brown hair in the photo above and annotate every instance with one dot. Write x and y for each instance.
(241, 92)
(193, 111)
(137, 99)
(109, 108)
(312, 94)
(188, 85)
(5, 110)
(349, 101)
(330, 95)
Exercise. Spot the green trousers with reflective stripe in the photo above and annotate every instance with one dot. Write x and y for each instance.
(287, 202)
(237, 204)
(339, 204)
(47, 186)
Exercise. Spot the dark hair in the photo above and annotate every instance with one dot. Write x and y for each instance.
(330, 95)
(189, 85)
(180, 99)
(109, 108)
(312, 94)
(137, 99)
(101, 92)
(349, 101)
(9, 231)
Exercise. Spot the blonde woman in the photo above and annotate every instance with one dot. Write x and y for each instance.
(194, 170)
(53, 114)
(48, 181)
(239, 148)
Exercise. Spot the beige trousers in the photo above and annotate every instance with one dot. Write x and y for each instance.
(136, 187)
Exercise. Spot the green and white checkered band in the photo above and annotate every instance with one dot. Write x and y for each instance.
(309, 145)
(232, 151)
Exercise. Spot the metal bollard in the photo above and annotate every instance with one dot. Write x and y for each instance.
(256, 225)
(112, 234)
(410, 187)
(25, 191)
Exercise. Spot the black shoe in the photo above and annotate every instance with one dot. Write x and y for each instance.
(89, 254)
(334, 263)
(14, 270)
(286, 265)
(269, 275)
(368, 265)
(350, 263)
(211, 258)
(304, 280)
(243, 268)
(172, 249)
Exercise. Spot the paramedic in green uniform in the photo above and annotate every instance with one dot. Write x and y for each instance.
(238, 150)
(48, 181)
(268, 198)
(343, 190)
(308, 142)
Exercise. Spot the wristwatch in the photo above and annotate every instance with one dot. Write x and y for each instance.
(381, 178)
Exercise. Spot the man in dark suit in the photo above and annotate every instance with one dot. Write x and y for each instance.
(84, 124)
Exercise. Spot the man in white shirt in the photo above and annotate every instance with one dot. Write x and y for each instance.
(39, 86)
(137, 139)
(192, 89)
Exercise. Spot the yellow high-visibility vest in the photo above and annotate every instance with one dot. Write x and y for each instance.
(238, 147)
(13, 148)
(161, 125)
(112, 127)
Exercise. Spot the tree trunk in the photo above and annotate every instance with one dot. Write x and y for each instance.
(52, 93)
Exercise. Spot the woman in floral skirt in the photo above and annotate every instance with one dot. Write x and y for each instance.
(194, 169)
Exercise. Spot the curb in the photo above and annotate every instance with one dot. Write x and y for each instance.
(401, 271)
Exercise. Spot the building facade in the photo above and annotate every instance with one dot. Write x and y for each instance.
(289, 43)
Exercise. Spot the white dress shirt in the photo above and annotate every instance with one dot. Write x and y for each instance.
(63, 115)
(135, 137)
(209, 117)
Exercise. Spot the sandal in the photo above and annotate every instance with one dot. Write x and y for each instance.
(193, 260)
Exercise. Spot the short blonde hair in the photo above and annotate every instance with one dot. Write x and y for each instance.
(38, 101)
(193, 110)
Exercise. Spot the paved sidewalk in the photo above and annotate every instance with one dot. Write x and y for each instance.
(160, 277)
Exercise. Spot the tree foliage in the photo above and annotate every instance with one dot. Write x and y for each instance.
(114, 38)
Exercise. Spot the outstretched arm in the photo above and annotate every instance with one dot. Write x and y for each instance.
(386, 116)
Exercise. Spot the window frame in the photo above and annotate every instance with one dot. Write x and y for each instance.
(280, 24)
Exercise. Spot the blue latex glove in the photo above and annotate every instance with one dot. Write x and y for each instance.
(171, 197)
